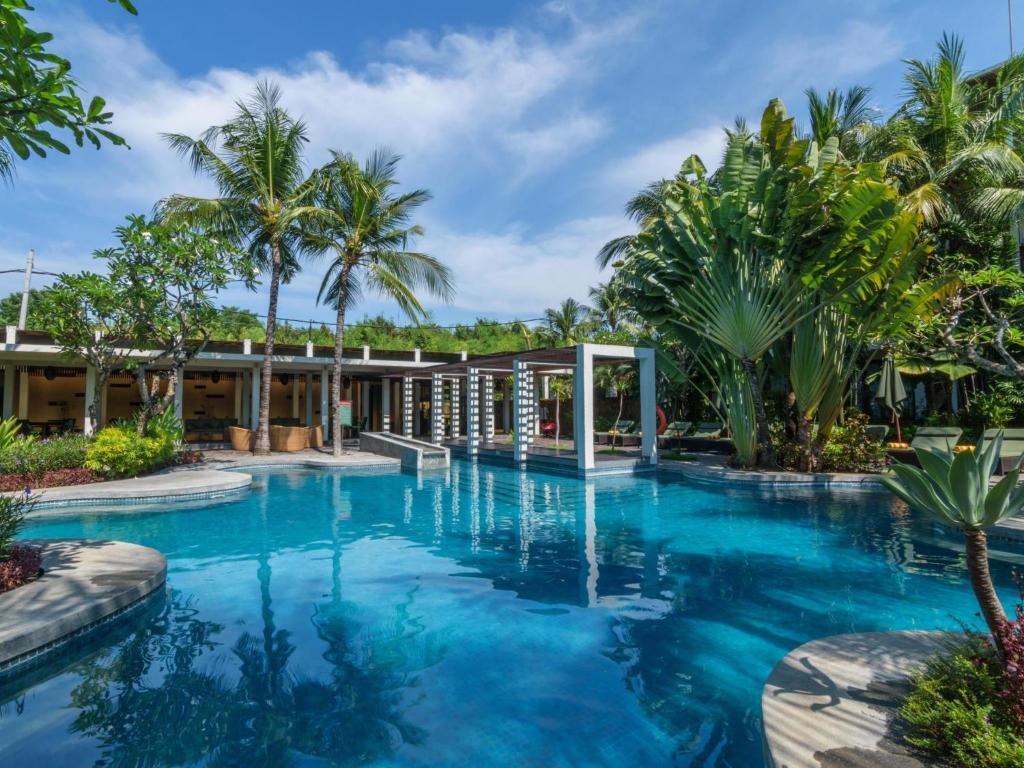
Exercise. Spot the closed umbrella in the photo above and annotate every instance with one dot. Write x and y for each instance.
(891, 392)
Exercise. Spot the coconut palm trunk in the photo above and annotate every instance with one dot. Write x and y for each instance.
(976, 547)
(262, 446)
(339, 347)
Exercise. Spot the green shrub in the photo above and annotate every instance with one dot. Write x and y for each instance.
(120, 451)
(955, 712)
(9, 429)
(851, 449)
(30, 456)
(12, 513)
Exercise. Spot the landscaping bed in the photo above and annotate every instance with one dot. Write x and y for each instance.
(20, 566)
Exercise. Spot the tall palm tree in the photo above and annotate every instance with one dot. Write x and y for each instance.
(846, 116)
(266, 200)
(567, 324)
(365, 227)
(611, 308)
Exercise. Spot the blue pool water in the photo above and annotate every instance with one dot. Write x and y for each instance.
(481, 618)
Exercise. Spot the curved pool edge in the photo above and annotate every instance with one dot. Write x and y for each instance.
(831, 701)
(86, 583)
(756, 478)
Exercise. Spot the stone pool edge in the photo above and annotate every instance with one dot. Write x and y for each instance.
(831, 701)
(86, 583)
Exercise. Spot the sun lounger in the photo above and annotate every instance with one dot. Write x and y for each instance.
(674, 431)
(708, 430)
(1013, 445)
(936, 438)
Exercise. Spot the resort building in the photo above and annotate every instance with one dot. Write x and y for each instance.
(443, 398)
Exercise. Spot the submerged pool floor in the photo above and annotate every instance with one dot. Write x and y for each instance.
(484, 617)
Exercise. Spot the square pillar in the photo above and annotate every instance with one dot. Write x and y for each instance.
(295, 396)
(254, 399)
(436, 409)
(385, 405)
(238, 398)
(89, 425)
(408, 406)
(364, 404)
(488, 384)
(583, 408)
(648, 406)
(307, 398)
(506, 405)
(472, 411)
(455, 393)
(8, 404)
(179, 394)
(521, 400)
(325, 403)
(23, 395)
(533, 398)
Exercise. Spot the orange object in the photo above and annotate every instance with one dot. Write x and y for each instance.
(662, 421)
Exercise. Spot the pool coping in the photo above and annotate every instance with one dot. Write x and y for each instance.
(213, 478)
(705, 468)
(832, 701)
(86, 583)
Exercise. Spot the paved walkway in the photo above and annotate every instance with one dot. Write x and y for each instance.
(830, 702)
(84, 582)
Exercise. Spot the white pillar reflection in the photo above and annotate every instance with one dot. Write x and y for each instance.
(590, 541)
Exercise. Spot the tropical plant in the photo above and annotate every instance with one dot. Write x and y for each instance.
(620, 379)
(120, 451)
(13, 509)
(566, 324)
(9, 429)
(610, 307)
(39, 96)
(956, 489)
(847, 117)
(27, 456)
(266, 201)
(365, 227)
(159, 289)
(782, 231)
(562, 388)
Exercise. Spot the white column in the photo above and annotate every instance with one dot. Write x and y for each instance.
(648, 406)
(88, 425)
(533, 425)
(521, 398)
(385, 404)
(307, 397)
(295, 396)
(325, 403)
(8, 404)
(254, 399)
(179, 395)
(239, 399)
(472, 411)
(488, 384)
(408, 406)
(436, 409)
(455, 392)
(583, 408)
(23, 395)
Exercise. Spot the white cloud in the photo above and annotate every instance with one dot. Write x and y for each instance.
(662, 159)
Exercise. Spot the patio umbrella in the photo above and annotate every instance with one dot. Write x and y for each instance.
(891, 393)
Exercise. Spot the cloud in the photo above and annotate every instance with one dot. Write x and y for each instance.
(661, 160)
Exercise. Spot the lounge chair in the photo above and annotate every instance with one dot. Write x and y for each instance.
(622, 434)
(288, 439)
(241, 438)
(708, 430)
(674, 431)
(1013, 445)
(936, 438)
(877, 431)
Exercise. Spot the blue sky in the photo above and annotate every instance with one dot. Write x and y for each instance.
(531, 122)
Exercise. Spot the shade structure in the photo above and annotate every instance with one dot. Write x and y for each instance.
(891, 393)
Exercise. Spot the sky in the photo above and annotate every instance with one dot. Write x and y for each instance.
(531, 123)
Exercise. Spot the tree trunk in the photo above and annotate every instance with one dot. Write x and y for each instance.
(981, 581)
(339, 346)
(811, 447)
(558, 417)
(765, 449)
(618, 418)
(262, 443)
(97, 399)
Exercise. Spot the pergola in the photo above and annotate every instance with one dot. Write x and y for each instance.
(524, 368)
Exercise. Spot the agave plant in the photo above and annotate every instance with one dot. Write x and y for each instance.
(9, 429)
(956, 488)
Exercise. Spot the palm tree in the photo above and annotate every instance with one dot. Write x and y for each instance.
(567, 324)
(365, 227)
(266, 200)
(846, 116)
(610, 305)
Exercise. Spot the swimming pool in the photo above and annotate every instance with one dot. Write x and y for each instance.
(482, 617)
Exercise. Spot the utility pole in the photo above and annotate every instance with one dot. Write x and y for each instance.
(23, 317)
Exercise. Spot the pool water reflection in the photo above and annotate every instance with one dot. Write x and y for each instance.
(480, 617)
